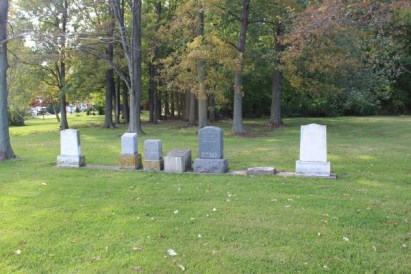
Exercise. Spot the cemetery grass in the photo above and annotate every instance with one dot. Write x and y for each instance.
(57, 220)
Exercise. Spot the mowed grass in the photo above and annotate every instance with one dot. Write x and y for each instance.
(98, 221)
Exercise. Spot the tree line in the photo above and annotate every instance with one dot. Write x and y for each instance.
(199, 60)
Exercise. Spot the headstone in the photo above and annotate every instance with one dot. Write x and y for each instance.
(70, 149)
(261, 171)
(210, 143)
(177, 160)
(153, 155)
(210, 151)
(129, 143)
(313, 152)
(129, 158)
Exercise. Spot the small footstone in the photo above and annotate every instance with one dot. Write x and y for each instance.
(261, 171)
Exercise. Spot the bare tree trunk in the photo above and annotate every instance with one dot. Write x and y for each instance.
(6, 152)
(187, 99)
(172, 104)
(151, 84)
(56, 113)
(192, 112)
(132, 53)
(166, 106)
(116, 98)
(62, 85)
(126, 108)
(275, 117)
(212, 108)
(110, 90)
(110, 85)
(202, 95)
(238, 126)
(135, 69)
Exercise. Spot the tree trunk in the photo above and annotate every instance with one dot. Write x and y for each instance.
(151, 84)
(116, 98)
(238, 126)
(202, 95)
(192, 112)
(110, 85)
(6, 152)
(166, 106)
(110, 90)
(172, 104)
(187, 99)
(135, 69)
(212, 108)
(62, 85)
(126, 107)
(275, 117)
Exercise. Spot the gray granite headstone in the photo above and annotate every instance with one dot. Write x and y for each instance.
(210, 143)
(210, 151)
(153, 150)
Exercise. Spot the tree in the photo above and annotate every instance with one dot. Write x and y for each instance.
(110, 84)
(6, 152)
(238, 126)
(343, 56)
(132, 50)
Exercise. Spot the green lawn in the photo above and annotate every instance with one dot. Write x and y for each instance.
(56, 220)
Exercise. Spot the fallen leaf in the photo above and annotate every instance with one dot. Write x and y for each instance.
(137, 248)
(96, 258)
(138, 268)
(181, 267)
(22, 243)
(171, 252)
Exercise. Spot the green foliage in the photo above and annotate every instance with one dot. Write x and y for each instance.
(16, 118)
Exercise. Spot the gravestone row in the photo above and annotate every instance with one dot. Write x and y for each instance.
(312, 163)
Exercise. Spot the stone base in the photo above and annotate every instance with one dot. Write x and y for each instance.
(261, 171)
(151, 165)
(130, 161)
(210, 165)
(313, 169)
(71, 161)
(177, 160)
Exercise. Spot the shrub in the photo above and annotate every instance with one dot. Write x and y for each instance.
(16, 118)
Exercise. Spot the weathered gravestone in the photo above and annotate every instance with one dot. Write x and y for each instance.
(177, 160)
(153, 155)
(210, 151)
(70, 154)
(261, 171)
(313, 152)
(129, 158)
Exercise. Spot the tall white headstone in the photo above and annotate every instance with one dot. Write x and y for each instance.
(70, 149)
(313, 151)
